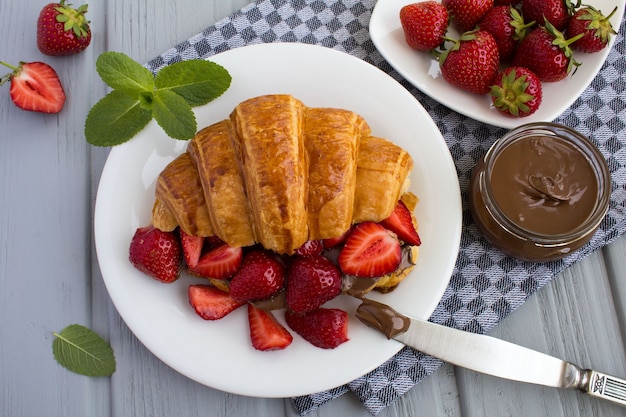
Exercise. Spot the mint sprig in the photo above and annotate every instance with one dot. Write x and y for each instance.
(83, 351)
(138, 96)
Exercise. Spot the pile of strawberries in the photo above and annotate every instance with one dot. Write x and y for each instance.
(265, 282)
(507, 48)
(61, 30)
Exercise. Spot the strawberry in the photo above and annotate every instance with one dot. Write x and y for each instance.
(62, 29)
(310, 247)
(516, 92)
(335, 241)
(370, 251)
(35, 86)
(400, 222)
(325, 328)
(467, 13)
(192, 248)
(221, 261)
(266, 333)
(597, 29)
(261, 276)
(156, 253)
(507, 26)
(557, 12)
(547, 53)
(311, 281)
(472, 62)
(211, 303)
(424, 24)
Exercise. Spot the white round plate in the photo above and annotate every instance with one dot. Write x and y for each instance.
(422, 70)
(219, 353)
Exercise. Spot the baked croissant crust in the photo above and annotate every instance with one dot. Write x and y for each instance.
(279, 173)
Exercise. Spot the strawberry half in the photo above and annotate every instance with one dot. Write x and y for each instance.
(156, 253)
(221, 261)
(192, 248)
(266, 333)
(261, 276)
(310, 247)
(211, 303)
(370, 251)
(35, 86)
(62, 29)
(401, 223)
(311, 281)
(325, 328)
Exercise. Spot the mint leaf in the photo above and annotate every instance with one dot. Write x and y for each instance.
(173, 114)
(81, 350)
(115, 119)
(122, 73)
(197, 81)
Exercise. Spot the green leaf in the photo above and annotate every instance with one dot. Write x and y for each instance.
(81, 350)
(197, 81)
(121, 72)
(115, 119)
(173, 114)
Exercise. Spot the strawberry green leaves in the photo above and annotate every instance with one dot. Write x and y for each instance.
(138, 97)
(81, 350)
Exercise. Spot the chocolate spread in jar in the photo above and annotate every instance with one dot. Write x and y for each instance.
(382, 318)
(544, 184)
(540, 192)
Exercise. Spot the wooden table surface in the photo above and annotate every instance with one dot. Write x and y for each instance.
(49, 275)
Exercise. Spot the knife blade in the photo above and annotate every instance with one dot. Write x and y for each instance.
(489, 355)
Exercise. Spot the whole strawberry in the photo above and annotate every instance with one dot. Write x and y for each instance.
(35, 86)
(595, 27)
(508, 28)
(424, 24)
(156, 253)
(557, 12)
(260, 277)
(311, 281)
(62, 29)
(467, 13)
(472, 62)
(547, 53)
(516, 92)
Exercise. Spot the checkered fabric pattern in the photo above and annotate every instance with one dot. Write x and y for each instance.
(486, 285)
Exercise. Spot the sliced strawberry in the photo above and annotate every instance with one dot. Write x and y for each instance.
(261, 276)
(311, 281)
(370, 251)
(325, 328)
(211, 303)
(310, 247)
(35, 86)
(156, 253)
(220, 261)
(192, 248)
(401, 223)
(266, 333)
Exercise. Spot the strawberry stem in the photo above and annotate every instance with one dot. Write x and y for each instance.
(14, 68)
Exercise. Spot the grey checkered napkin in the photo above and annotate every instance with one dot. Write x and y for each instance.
(486, 285)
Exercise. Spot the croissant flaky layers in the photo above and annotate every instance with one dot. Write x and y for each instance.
(279, 173)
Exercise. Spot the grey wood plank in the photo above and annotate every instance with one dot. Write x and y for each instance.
(572, 318)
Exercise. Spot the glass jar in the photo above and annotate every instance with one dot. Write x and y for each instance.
(540, 192)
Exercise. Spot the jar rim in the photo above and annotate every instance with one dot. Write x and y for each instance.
(583, 144)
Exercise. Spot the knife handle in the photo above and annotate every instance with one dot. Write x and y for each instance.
(604, 386)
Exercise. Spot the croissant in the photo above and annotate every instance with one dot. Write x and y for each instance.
(279, 173)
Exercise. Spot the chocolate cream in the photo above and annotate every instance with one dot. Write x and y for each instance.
(544, 184)
(382, 318)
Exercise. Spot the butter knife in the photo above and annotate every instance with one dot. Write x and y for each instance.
(488, 355)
